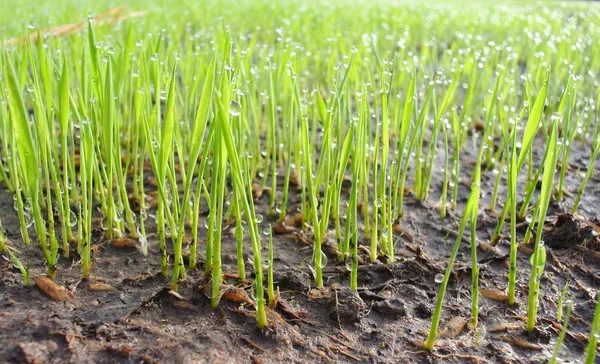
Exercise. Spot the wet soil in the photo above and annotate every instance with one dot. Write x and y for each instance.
(135, 318)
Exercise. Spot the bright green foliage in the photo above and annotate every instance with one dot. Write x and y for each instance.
(144, 122)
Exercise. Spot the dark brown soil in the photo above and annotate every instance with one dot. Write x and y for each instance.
(139, 320)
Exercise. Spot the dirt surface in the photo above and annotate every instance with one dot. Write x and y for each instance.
(126, 314)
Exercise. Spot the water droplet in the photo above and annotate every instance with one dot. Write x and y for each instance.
(30, 88)
(439, 278)
(378, 202)
(259, 218)
(355, 116)
(31, 25)
(154, 57)
(72, 218)
(323, 259)
(176, 56)
(111, 50)
(249, 155)
(141, 90)
(354, 49)
(235, 109)
(267, 231)
(349, 264)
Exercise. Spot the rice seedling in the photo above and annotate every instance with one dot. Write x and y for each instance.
(590, 356)
(174, 131)
(538, 259)
(469, 217)
(561, 335)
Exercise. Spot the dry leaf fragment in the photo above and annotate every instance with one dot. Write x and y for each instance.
(102, 287)
(508, 326)
(123, 243)
(282, 228)
(493, 294)
(454, 327)
(294, 220)
(50, 288)
(489, 248)
(517, 341)
(257, 191)
(237, 295)
(525, 249)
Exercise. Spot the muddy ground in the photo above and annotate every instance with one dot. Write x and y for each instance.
(139, 320)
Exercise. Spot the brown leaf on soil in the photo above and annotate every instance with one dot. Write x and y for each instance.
(257, 191)
(525, 249)
(294, 179)
(292, 311)
(507, 326)
(151, 181)
(489, 248)
(493, 294)
(237, 295)
(294, 220)
(282, 228)
(517, 341)
(124, 243)
(50, 288)
(399, 229)
(454, 327)
(102, 287)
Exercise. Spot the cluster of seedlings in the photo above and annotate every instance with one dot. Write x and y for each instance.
(130, 127)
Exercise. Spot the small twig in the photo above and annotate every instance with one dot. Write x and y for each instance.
(252, 344)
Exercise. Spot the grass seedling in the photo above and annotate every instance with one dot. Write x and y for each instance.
(561, 301)
(17, 263)
(512, 201)
(28, 155)
(538, 259)
(531, 129)
(313, 203)
(270, 289)
(469, 215)
(590, 351)
(561, 335)
(588, 174)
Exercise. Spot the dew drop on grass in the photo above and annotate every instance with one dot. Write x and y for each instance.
(378, 202)
(259, 218)
(30, 88)
(349, 262)
(249, 155)
(141, 90)
(235, 109)
(72, 218)
(154, 57)
(439, 278)
(354, 49)
(31, 25)
(323, 259)
(267, 231)
(355, 116)
(111, 50)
